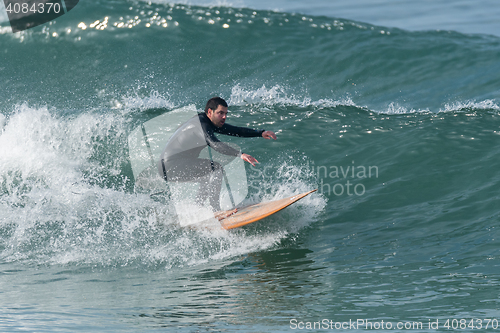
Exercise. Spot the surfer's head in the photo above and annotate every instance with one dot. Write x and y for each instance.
(216, 110)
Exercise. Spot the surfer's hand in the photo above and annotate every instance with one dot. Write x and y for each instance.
(269, 135)
(249, 159)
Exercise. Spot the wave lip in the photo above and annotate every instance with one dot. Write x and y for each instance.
(277, 95)
(489, 105)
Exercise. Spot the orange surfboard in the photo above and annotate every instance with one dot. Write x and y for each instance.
(259, 211)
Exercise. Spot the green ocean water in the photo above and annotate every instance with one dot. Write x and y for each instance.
(397, 129)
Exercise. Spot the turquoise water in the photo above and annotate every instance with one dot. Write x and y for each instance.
(397, 127)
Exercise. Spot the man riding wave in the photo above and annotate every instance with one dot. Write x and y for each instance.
(180, 161)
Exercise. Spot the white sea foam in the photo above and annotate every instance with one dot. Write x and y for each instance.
(458, 106)
(2, 122)
(471, 105)
(53, 173)
(134, 101)
(277, 95)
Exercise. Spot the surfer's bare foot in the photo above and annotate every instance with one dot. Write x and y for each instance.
(222, 215)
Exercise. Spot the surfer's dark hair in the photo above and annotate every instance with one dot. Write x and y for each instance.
(214, 102)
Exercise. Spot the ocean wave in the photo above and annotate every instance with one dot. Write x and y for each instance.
(65, 199)
(165, 50)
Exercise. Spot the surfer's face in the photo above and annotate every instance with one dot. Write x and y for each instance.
(218, 117)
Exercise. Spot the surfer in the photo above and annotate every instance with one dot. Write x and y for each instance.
(180, 161)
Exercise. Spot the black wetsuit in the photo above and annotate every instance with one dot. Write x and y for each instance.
(180, 160)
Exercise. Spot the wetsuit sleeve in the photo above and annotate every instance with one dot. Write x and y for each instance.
(239, 131)
(209, 129)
